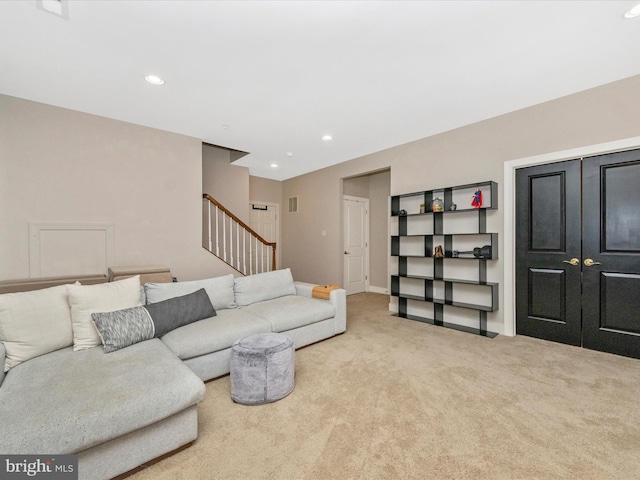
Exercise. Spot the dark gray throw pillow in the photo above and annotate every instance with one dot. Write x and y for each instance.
(175, 312)
(122, 328)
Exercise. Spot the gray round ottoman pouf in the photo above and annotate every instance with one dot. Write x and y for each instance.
(262, 368)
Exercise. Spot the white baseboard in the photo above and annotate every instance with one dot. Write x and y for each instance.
(378, 290)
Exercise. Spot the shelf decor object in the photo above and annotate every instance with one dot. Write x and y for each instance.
(425, 287)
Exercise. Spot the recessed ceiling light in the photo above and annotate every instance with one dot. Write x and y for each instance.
(274, 165)
(326, 138)
(633, 12)
(289, 154)
(154, 80)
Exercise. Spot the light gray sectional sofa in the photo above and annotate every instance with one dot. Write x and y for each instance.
(59, 393)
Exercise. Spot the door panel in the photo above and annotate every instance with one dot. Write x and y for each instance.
(547, 294)
(621, 204)
(546, 207)
(611, 223)
(619, 310)
(355, 248)
(355, 269)
(547, 236)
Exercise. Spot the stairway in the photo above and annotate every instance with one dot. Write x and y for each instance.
(233, 241)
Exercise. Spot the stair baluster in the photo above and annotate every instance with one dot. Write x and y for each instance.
(242, 248)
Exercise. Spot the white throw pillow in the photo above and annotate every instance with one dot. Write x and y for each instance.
(105, 297)
(34, 323)
(263, 286)
(219, 289)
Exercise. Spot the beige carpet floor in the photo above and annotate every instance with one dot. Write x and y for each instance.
(397, 399)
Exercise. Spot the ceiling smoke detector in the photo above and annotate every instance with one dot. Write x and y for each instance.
(56, 7)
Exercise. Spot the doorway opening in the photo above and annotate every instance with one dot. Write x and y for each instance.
(356, 244)
(264, 219)
(372, 188)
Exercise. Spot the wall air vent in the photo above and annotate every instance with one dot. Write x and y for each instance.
(57, 7)
(293, 204)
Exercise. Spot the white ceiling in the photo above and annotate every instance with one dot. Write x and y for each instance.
(271, 77)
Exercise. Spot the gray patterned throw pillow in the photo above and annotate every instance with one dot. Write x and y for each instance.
(122, 328)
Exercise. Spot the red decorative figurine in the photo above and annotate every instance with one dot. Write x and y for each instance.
(477, 199)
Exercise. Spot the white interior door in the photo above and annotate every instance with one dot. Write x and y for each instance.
(356, 239)
(263, 219)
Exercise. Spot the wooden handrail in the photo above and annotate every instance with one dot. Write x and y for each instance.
(206, 196)
(242, 224)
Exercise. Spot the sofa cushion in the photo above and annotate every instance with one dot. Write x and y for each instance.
(34, 323)
(219, 289)
(263, 286)
(68, 401)
(123, 328)
(214, 334)
(107, 297)
(292, 311)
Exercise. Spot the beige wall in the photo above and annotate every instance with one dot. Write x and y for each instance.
(311, 256)
(265, 190)
(379, 185)
(227, 183)
(63, 166)
(356, 186)
(472, 153)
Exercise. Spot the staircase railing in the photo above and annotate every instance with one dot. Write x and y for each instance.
(233, 241)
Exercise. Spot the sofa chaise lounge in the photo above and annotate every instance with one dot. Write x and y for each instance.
(61, 394)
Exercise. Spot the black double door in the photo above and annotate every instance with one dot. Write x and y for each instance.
(578, 252)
